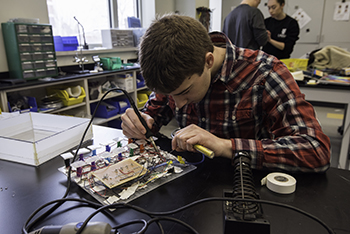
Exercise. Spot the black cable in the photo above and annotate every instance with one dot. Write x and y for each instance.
(58, 201)
(52, 209)
(144, 228)
(240, 200)
(124, 205)
(174, 220)
(141, 210)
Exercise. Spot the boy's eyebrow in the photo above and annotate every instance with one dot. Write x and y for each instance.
(183, 91)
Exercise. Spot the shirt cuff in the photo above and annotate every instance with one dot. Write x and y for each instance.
(253, 147)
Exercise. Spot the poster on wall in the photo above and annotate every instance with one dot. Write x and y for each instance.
(341, 11)
(302, 18)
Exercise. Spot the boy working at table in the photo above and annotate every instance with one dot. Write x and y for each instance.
(226, 98)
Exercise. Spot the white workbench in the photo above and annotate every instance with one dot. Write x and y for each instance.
(334, 95)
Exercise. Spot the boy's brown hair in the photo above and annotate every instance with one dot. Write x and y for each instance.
(173, 49)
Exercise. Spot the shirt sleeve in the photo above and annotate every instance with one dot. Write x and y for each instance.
(259, 29)
(160, 108)
(297, 143)
(292, 36)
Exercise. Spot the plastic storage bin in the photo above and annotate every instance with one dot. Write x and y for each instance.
(104, 111)
(125, 81)
(65, 43)
(25, 44)
(142, 98)
(140, 81)
(122, 102)
(64, 96)
(34, 138)
(295, 64)
(31, 102)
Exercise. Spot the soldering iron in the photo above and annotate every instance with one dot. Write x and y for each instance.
(148, 133)
(207, 152)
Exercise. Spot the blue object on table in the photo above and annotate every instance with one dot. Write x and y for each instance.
(134, 22)
(65, 43)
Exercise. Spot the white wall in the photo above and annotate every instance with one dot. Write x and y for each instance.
(186, 7)
(165, 6)
(202, 3)
(148, 11)
(216, 15)
(20, 9)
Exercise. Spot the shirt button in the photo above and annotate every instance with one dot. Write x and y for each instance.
(203, 119)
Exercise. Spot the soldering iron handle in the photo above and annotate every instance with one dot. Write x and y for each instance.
(143, 121)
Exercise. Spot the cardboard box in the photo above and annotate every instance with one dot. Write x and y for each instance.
(34, 138)
(345, 71)
(125, 82)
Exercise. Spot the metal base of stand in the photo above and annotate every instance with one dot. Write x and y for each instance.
(80, 71)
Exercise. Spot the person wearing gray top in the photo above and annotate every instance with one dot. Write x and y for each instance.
(245, 26)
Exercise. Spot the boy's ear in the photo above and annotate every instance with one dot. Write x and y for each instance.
(209, 59)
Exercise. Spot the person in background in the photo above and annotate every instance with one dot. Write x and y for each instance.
(283, 31)
(225, 98)
(245, 27)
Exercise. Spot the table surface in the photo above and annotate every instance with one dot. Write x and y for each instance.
(24, 188)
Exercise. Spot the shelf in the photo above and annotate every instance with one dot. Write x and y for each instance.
(99, 121)
(63, 108)
(38, 89)
(94, 51)
(142, 88)
(110, 95)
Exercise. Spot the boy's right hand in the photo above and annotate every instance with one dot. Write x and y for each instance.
(132, 126)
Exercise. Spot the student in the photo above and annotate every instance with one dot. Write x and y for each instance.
(245, 27)
(225, 98)
(283, 31)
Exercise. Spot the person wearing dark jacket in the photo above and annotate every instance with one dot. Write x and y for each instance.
(283, 31)
(245, 27)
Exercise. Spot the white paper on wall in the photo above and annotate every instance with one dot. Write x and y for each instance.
(302, 18)
(341, 11)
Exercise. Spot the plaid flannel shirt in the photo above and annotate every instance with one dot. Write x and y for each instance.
(255, 102)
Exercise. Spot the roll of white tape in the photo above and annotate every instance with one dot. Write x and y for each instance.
(280, 183)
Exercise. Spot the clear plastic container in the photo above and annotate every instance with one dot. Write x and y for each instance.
(37, 47)
(40, 73)
(26, 56)
(28, 74)
(27, 65)
(23, 38)
(25, 48)
(38, 56)
(34, 138)
(35, 38)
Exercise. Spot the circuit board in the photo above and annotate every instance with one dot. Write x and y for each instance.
(119, 173)
(123, 170)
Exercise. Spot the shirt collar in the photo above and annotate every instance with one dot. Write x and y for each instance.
(221, 40)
